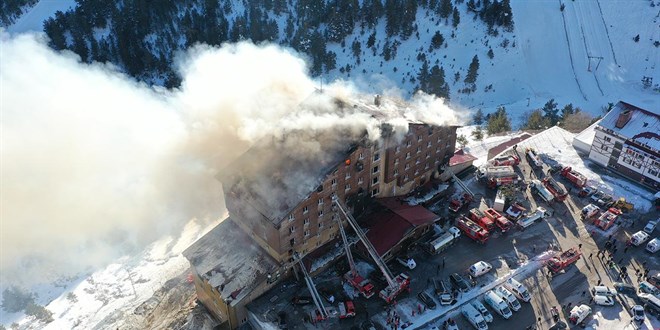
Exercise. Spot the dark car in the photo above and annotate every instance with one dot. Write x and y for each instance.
(625, 288)
(559, 326)
(427, 300)
(458, 282)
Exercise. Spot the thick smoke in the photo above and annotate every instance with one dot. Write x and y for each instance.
(96, 165)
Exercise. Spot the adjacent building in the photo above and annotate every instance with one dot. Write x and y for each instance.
(627, 140)
(279, 196)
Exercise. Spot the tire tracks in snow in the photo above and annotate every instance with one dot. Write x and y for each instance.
(570, 55)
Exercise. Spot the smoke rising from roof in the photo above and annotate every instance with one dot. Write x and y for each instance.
(96, 164)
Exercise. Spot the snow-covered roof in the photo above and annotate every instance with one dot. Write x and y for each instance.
(643, 126)
(226, 255)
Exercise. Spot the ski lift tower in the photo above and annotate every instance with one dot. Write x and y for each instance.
(395, 285)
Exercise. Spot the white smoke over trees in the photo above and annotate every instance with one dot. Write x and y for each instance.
(95, 164)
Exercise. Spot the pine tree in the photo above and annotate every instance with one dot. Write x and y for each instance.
(551, 112)
(536, 121)
(566, 111)
(446, 8)
(461, 140)
(478, 134)
(436, 82)
(456, 18)
(499, 121)
(478, 117)
(437, 40)
(472, 73)
(490, 53)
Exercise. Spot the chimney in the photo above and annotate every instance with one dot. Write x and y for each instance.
(624, 118)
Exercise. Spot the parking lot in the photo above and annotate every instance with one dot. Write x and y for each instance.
(508, 252)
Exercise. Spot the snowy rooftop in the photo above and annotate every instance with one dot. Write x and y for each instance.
(226, 255)
(643, 126)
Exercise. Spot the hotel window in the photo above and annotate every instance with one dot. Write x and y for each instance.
(426, 167)
(306, 221)
(334, 182)
(374, 180)
(396, 172)
(397, 149)
(607, 138)
(320, 213)
(375, 170)
(305, 210)
(307, 233)
(407, 155)
(320, 225)
(291, 217)
(419, 138)
(407, 166)
(360, 180)
(405, 178)
(348, 175)
(417, 160)
(376, 157)
(419, 149)
(361, 156)
(428, 155)
(408, 143)
(396, 161)
(292, 230)
(375, 192)
(437, 150)
(604, 147)
(428, 145)
(320, 201)
(347, 187)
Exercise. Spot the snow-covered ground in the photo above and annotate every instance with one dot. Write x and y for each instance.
(33, 19)
(99, 299)
(480, 148)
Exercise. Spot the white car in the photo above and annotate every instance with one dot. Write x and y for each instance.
(639, 238)
(480, 268)
(638, 313)
(653, 245)
(650, 226)
(604, 300)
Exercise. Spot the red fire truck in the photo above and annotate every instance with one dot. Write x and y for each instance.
(573, 176)
(472, 230)
(607, 218)
(460, 201)
(557, 263)
(555, 189)
(500, 221)
(481, 219)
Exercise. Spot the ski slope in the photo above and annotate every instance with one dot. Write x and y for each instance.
(33, 19)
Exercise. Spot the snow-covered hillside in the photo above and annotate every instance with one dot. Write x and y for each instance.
(550, 58)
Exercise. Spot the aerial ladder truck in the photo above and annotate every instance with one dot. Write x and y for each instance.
(361, 284)
(321, 311)
(395, 285)
(458, 202)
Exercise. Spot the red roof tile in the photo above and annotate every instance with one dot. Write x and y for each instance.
(460, 157)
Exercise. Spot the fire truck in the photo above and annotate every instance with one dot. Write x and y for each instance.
(500, 221)
(495, 176)
(481, 219)
(395, 285)
(361, 284)
(510, 160)
(472, 230)
(607, 218)
(574, 177)
(557, 263)
(555, 189)
(542, 191)
(533, 158)
(459, 201)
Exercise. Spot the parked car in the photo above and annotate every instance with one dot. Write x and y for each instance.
(650, 226)
(639, 238)
(480, 268)
(638, 313)
(601, 290)
(443, 292)
(458, 282)
(647, 287)
(653, 245)
(625, 288)
(654, 277)
(604, 300)
(560, 325)
(450, 324)
(427, 300)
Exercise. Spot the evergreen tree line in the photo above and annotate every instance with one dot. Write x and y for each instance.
(12, 9)
(142, 36)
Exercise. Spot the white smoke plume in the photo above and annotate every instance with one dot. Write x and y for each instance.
(95, 164)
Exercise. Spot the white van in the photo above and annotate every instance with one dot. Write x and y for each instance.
(498, 304)
(653, 245)
(601, 290)
(482, 309)
(480, 268)
(474, 317)
(579, 313)
(603, 300)
(508, 297)
(518, 289)
(639, 238)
